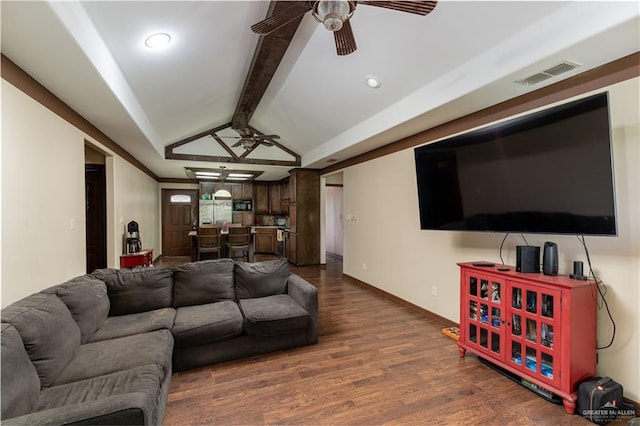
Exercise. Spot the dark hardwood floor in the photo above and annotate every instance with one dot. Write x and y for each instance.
(376, 363)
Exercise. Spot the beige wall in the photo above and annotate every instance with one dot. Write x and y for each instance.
(43, 214)
(135, 198)
(384, 246)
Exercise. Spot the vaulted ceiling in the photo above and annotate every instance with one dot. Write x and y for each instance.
(462, 57)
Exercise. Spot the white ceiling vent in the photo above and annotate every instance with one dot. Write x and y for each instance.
(555, 70)
(562, 67)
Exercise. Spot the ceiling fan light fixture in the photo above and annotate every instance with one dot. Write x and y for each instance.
(246, 143)
(333, 13)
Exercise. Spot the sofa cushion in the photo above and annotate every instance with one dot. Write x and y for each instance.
(273, 315)
(49, 333)
(86, 298)
(108, 395)
(137, 290)
(261, 278)
(200, 324)
(203, 282)
(109, 356)
(20, 382)
(128, 325)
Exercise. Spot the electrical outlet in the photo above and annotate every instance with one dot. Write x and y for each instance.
(434, 290)
(364, 266)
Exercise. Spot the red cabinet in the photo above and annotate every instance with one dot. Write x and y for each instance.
(540, 327)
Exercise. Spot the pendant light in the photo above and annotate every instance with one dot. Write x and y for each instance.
(222, 193)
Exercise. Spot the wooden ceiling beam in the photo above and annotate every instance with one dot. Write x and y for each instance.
(266, 59)
(240, 160)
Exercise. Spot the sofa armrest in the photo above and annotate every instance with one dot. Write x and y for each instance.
(307, 296)
(124, 409)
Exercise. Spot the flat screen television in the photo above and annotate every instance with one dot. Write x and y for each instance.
(546, 172)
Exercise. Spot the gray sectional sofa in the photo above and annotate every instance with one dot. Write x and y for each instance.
(100, 348)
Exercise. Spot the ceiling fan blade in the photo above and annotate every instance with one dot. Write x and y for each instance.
(345, 42)
(281, 18)
(417, 7)
(263, 141)
(267, 136)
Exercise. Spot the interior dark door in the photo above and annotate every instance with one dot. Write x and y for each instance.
(96, 216)
(179, 214)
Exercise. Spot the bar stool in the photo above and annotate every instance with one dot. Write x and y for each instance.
(239, 240)
(208, 241)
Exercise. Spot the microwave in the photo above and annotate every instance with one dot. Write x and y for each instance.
(242, 205)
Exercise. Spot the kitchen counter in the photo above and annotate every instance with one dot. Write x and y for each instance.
(267, 227)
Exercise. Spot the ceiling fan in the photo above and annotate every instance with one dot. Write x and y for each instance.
(335, 16)
(249, 138)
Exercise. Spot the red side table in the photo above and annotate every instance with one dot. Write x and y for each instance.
(141, 259)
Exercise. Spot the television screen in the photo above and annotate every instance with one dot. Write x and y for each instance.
(547, 172)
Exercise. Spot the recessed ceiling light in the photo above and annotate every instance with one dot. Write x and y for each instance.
(157, 40)
(373, 82)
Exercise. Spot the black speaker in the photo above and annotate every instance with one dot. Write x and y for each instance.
(528, 259)
(578, 271)
(550, 259)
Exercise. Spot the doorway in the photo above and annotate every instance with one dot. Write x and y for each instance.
(95, 216)
(179, 217)
(334, 215)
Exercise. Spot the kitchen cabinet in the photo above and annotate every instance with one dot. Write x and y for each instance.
(236, 217)
(247, 191)
(541, 328)
(268, 199)
(245, 218)
(292, 250)
(261, 197)
(275, 201)
(266, 240)
(284, 197)
(236, 192)
(242, 191)
(304, 217)
(212, 187)
(293, 218)
(293, 180)
(284, 191)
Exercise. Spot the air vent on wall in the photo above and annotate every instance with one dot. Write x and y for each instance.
(555, 70)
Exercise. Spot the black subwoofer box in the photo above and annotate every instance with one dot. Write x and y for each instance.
(528, 259)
